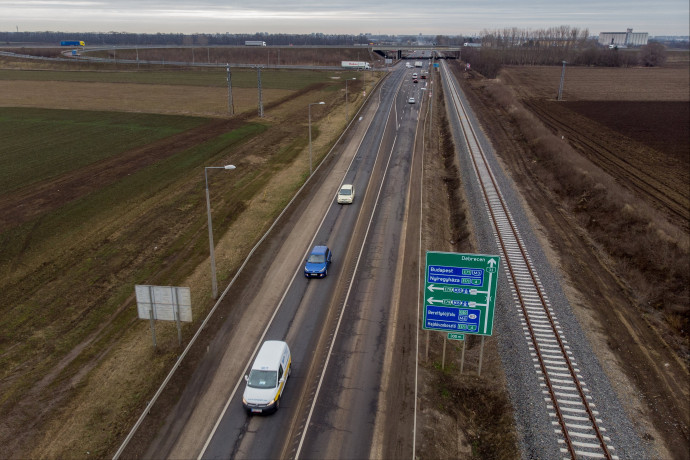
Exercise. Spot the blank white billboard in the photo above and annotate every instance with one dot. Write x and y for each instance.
(164, 300)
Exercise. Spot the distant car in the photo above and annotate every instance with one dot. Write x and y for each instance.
(346, 194)
(414, 75)
(415, 81)
(411, 100)
(318, 261)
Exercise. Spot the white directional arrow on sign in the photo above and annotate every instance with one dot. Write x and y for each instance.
(491, 263)
(432, 300)
(433, 288)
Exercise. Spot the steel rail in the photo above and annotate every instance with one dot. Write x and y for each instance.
(470, 134)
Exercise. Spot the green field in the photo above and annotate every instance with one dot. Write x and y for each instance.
(38, 144)
(56, 267)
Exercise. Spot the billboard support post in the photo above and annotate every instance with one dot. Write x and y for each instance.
(443, 360)
(481, 357)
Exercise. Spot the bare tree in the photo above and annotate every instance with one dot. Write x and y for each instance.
(653, 55)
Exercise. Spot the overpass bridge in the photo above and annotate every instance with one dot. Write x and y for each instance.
(401, 51)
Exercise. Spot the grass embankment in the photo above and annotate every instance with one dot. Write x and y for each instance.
(77, 364)
(461, 415)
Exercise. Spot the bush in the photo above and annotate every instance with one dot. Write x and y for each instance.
(653, 55)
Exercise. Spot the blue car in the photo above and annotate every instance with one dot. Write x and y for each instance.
(318, 262)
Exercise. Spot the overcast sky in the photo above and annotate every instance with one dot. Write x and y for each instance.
(395, 17)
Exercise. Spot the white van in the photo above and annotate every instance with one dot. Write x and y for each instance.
(346, 194)
(266, 380)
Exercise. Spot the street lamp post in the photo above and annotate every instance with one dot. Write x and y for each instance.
(310, 162)
(210, 228)
(347, 105)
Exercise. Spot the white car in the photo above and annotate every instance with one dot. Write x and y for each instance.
(346, 194)
(411, 100)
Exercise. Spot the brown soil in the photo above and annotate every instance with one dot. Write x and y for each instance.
(600, 83)
(634, 348)
(644, 145)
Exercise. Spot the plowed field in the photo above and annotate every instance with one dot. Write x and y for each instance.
(632, 123)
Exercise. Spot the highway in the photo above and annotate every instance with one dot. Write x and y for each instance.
(354, 334)
(341, 329)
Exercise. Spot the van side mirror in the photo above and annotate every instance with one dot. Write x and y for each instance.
(246, 378)
(282, 379)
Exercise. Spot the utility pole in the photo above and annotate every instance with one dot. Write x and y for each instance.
(231, 107)
(261, 102)
(560, 87)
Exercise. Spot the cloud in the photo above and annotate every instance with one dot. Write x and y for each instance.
(355, 16)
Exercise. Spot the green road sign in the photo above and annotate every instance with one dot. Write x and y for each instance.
(460, 292)
(455, 336)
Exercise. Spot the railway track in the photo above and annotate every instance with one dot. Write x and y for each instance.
(577, 428)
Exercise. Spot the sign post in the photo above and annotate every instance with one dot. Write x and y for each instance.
(167, 303)
(460, 294)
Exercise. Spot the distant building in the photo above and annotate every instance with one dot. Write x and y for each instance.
(623, 39)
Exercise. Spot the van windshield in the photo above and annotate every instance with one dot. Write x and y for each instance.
(262, 379)
(344, 191)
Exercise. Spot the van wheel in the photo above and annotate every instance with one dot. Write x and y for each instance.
(278, 404)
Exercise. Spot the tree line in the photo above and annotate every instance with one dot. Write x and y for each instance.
(124, 38)
(552, 46)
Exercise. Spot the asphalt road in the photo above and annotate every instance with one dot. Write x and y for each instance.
(338, 327)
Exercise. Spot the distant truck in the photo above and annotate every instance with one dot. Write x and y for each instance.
(418, 63)
(254, 43)
(72, 43)
(355, 65)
